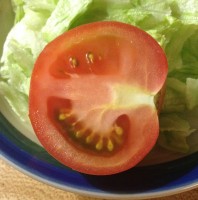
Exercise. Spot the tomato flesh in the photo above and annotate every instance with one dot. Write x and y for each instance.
(92, 97)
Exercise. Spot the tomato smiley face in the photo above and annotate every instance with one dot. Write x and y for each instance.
(92, 97)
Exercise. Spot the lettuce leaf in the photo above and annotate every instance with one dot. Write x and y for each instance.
(175, 96)
(63, 15)
(18, 9)
(174, 132)
(191, 93)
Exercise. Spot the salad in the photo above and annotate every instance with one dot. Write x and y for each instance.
(173, 24)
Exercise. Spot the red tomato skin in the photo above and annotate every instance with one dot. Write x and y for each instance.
(145, 130)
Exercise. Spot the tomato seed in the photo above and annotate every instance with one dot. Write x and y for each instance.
(63, 116)
(79, 134)
(110, 145)
(99, 145)
(73, 62)
(89, 138)
(90, 57)
(118, 130)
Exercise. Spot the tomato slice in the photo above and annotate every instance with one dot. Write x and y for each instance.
(92, 97)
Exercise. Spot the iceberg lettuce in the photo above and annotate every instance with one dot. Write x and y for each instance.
(63, 15)
(174, 131)
(173, 23)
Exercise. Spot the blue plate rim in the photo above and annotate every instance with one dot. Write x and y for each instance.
(136, 196)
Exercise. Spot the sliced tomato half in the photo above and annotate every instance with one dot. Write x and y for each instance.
(92, 97)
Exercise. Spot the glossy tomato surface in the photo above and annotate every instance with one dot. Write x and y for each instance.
(92, 97)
